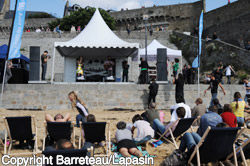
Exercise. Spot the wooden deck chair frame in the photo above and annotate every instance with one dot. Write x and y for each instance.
(240, 149)
(72, 134)
(5, 135)
(173, 142)
(35, 150)
(107, 141)
(196, 149)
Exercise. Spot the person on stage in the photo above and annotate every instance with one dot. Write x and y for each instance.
(108, 65)
(44, 59)
(144, 71)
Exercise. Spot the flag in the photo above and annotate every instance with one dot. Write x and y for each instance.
(196, 61)
(200, 31)
(17, 30)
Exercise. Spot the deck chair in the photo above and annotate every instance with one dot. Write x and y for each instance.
(59, 130)
(66, 153)
(183, 125)
(215, 145)
(241, 151)
(95, 132)
(20, 128)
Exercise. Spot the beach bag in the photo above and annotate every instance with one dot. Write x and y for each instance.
(177, 158)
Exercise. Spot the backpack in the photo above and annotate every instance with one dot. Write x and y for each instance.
(177, 158)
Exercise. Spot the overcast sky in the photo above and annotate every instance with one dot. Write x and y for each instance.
(56, 7)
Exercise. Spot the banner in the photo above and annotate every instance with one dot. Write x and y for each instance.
(196, 62)
(200, 32)
(17, 30)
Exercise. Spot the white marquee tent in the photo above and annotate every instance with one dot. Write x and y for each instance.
(97, 40)
(154, 45)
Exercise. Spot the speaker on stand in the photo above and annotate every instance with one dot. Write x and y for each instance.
(161, 64)
(34, 73)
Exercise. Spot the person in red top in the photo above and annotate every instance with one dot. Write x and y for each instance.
(228, 116)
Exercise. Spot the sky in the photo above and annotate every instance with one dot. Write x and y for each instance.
(56, 7)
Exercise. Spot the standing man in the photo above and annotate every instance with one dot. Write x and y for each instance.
(214, 83)
(184, 71)
(175, 67)
(144, 71)
(189, 74)
(179, 88)
(8, 74)
(247, 87)
(153, 90)
(125, 68)
(44, 59)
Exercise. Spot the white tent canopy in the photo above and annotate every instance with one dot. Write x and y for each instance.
(97, 40)
(154, 45)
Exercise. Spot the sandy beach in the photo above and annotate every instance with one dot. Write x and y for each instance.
(160, 152)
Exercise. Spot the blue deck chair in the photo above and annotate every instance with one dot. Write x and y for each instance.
(20, 129)
(96, 132)
(59, 130)
(66, 153)
(215, 145)
(183, 125)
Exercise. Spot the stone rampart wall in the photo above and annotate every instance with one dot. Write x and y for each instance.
(103, 96)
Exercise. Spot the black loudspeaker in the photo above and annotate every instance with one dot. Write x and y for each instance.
(34, 74)
(161, 64)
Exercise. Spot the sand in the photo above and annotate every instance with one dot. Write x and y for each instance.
(160, 152)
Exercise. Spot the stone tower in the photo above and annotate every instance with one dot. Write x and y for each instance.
(7, 5)
(204, 5)
(5, 8)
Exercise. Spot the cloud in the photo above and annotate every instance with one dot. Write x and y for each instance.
(113, 4)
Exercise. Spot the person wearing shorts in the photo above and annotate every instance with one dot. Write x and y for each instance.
(125, 143)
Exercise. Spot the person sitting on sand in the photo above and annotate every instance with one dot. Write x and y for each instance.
(158, 126)
(180, 103)
(125, 144)
(57, 118)
(150, 114)
(80, 106)
(228, 116)
(62, 144)
(144, 130)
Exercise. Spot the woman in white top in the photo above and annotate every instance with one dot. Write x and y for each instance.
(80, 106)
(144, 131)
(229, 71)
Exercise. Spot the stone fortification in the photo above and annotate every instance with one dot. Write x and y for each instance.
(212, 52)
(181, 16)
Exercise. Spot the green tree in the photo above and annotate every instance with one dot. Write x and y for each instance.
(81, 18)
(40, 15)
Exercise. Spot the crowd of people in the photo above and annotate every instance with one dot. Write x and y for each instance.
(151, 29)
(150, 122)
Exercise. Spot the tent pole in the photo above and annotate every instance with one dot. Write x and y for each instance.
(198, 81)
(181, 65)
(4, 75)
(53, 66)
